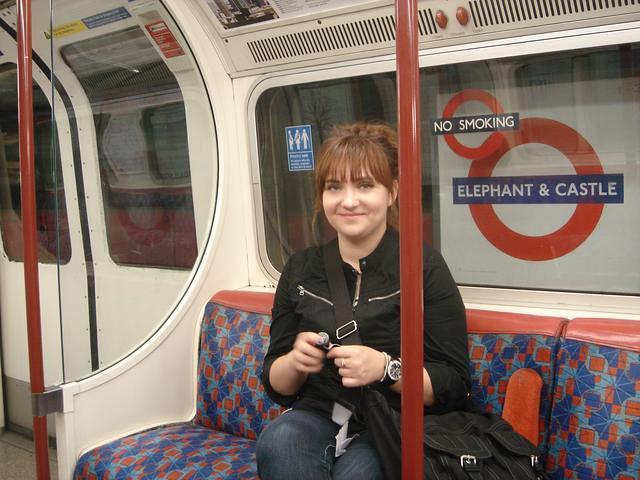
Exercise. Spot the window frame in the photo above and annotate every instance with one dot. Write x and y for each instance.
(570, 304)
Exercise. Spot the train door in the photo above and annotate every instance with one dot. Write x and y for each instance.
(121, 217)
(60, 248)
(143, 128)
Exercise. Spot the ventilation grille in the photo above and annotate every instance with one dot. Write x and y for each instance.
(497, 12)
(372, 31)
(381, 30)
(8, 13)
(426, 23)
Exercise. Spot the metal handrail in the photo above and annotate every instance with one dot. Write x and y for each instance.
(410, 179)
(29, 230)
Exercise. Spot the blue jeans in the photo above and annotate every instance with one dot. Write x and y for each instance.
(300, 445)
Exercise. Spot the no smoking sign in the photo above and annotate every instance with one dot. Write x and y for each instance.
(590, 188)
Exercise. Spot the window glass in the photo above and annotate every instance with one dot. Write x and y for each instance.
(51, 218)
(531, 165)
(141, 129)
(287, 196)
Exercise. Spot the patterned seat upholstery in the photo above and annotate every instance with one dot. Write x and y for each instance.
(595, 424)
(589, 411)
(173, 452)
(500, 343)
(232, 408)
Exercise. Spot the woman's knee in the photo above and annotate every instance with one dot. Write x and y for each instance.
(294, 446)
(287, 430)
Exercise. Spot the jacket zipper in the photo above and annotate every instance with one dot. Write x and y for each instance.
(356, 294)
(302, 291)
(384, 297)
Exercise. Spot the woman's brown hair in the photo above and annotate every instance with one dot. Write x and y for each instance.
(356, 149)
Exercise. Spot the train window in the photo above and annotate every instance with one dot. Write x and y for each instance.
(287, 195)
(139, 115)
(51, 218)
(530, 165)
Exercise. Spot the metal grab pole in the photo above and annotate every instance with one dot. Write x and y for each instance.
(29, 233)
(411, 300)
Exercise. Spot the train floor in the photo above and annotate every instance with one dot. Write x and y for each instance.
(17, 458)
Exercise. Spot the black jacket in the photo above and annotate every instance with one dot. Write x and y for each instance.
(303, 303)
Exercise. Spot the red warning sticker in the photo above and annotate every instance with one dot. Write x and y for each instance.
(165, 39)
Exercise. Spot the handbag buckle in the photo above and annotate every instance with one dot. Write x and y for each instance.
(467, 461)
(346, 329)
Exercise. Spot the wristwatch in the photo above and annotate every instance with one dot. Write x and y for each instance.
(392, 370)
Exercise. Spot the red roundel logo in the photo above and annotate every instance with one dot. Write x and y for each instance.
(485, 158)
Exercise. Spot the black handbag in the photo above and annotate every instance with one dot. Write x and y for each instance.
(458, 445)
(468, 445)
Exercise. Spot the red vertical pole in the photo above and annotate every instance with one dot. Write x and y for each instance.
(411, 300)
(28, 201)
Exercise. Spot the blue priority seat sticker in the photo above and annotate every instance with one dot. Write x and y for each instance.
(299, 148)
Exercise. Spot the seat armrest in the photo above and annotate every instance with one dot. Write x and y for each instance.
(522, 403)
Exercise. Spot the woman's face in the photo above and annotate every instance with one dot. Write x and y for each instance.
(357, 208)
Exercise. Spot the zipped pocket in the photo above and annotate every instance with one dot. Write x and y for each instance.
(303, 291)
(384, 297)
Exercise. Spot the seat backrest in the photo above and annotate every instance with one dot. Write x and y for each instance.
(595, 420)
(233, 342)
(500, 343)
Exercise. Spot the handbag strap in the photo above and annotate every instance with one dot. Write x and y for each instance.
(473, 468)
(346, 326)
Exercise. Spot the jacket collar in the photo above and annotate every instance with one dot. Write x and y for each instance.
(379, 258)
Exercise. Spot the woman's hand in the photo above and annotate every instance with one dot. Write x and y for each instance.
(306, 356)
(358, 365)
(289, 372)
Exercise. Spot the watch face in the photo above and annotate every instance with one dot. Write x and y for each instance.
(395, 370)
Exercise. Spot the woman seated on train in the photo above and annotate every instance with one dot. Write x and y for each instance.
(356, 188)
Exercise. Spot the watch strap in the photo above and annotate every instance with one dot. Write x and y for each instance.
(387, 359)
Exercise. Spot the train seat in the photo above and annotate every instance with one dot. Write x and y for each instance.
(231, 406)
(503, 343)
(595, 421)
